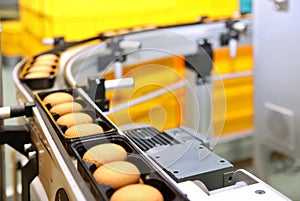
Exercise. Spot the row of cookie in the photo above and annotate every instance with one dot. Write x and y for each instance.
(123, 176)
(71, 115)
(41, 66)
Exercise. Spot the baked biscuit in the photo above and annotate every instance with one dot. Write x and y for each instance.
(82, 130)
(117, 174)
(65, 108)
(71, 119)
(137, 192)
(104, 153)
(57, 98)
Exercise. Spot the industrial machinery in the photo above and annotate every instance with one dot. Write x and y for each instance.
(177, 161)
(276, 120)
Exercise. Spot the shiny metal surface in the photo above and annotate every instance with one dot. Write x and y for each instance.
(247, 187)
(56, 169)
(4, 112)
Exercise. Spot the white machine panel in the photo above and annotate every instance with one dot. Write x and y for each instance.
(277, 70)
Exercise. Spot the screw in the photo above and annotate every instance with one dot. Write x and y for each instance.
(27, 147)
(31, 154)
(260, 192)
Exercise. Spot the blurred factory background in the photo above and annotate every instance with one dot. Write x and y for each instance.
(27, 24)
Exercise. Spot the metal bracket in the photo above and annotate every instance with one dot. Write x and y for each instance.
(15, 136)
(97, 90)
(29, 172)
(201, 61)
(231, 37)
(118, 47)
(97, 87)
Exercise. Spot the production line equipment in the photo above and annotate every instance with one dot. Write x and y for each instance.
(65, 95)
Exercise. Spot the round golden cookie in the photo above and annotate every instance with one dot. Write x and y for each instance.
(137, 192)
(43, 62)
(39, 65)
(46, 57)
(37, 75)
(117, 174)
(71, 119)
(65, 108)
(58, 98)
(82, 130)
(46, 69)
(105, 153)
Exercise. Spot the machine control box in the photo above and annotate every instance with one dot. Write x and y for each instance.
(184, 155)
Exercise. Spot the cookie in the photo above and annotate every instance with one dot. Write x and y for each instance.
(82, 130)
(104, 153)
(117, 174)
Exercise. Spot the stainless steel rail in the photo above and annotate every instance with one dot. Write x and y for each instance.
(170, 41)
(56, 169)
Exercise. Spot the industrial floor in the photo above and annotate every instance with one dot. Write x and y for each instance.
(284, 172)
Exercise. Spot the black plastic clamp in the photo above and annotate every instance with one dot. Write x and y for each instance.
(96, 89)
(201, 61)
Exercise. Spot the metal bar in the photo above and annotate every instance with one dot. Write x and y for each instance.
(14, 167)
(119, 84)
(2, 148)
(29, 172)
(228, 76)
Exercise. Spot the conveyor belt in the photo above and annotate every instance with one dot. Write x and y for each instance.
(57, 172)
